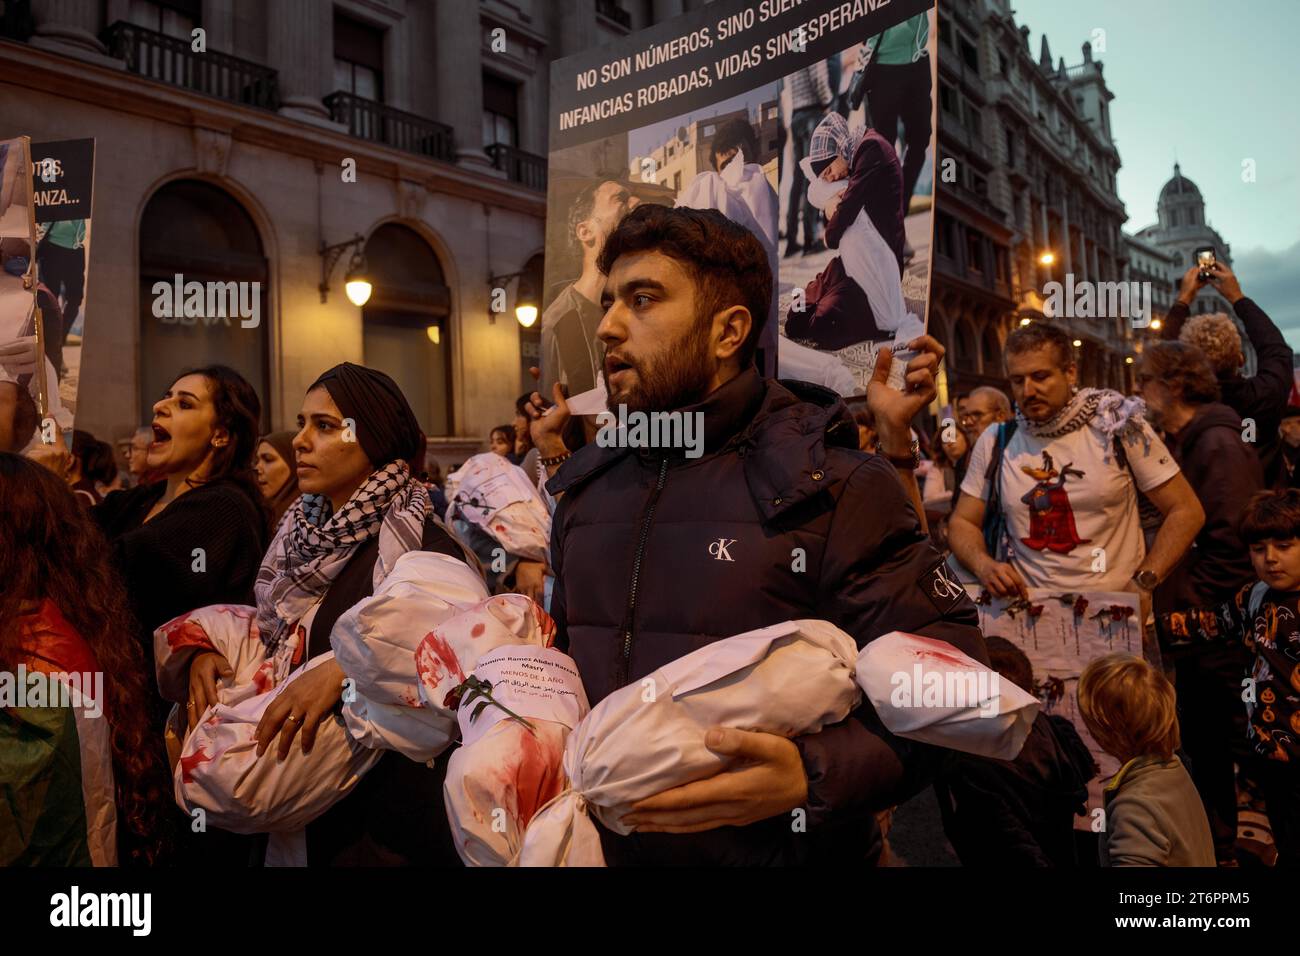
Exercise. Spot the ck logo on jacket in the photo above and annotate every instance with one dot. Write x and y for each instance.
(944, 593)
(718, 549)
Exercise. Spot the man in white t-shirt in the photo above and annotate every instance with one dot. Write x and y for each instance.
(1066, 485)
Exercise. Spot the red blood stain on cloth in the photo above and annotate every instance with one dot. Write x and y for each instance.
(538, 777)
(478, 629)
(188, 764)
(183, 631)
(940, 652)
(435, 660)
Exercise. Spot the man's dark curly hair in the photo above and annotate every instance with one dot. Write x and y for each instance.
(1037, 335)
(727, 262)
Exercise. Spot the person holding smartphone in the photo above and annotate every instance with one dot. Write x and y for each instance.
(1262, 397)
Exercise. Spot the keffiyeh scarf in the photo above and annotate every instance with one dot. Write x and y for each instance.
(1111, 413)
(312, 545)
(832, 138)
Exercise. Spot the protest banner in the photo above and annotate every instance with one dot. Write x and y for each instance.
(777, 114)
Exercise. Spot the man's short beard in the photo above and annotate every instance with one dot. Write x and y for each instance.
(677, 376)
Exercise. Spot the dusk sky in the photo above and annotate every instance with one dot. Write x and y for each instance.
(1210, 84)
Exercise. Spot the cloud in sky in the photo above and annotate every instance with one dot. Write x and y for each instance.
(1272, 279)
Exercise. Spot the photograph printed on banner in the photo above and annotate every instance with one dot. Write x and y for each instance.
(723, 156)
(856, 206)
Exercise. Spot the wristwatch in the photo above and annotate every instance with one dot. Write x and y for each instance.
(908, 461)
(1146, 580)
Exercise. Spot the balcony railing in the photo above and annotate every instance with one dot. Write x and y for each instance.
(170, 60)
(378, 123)
(615, 12)
(526, 168)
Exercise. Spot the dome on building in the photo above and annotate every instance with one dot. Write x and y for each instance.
(1180, 188)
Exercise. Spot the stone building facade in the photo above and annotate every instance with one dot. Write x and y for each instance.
(227, 160)
(1180, 230)
(1034, 173)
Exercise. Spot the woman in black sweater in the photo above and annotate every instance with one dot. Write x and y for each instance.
(197, 536)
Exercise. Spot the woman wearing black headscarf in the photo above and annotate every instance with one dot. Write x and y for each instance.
(361, 511)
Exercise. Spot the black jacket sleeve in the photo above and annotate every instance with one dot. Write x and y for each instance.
(1270, 386)
(1174, 320)
(880, 574)
(1226, 472)
(557, 609)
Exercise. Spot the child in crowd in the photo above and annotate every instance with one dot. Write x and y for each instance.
(1014, 813)
(1266, 616)
(1154, 816)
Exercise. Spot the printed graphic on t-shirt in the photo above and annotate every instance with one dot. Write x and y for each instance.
(1051, 522)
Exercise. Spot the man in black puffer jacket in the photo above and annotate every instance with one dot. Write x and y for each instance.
(773, 514)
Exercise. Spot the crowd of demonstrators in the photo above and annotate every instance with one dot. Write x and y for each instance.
(312, 530)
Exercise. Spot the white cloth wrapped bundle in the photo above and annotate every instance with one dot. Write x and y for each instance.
(375, 643)
(499, 498)
(790, 679)
(220, 772)
(809, 365)
(868, 259)
(927, 690)
(451, 650)
(504, 770)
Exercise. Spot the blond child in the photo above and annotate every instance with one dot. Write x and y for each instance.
(1154, 816)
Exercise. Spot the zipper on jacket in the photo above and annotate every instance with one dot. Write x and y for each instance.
(636, 573)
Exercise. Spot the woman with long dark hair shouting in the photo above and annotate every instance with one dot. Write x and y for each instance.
(195, 537)
(85, 784)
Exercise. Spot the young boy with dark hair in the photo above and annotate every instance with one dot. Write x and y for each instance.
(1266, 616)
(1013, 813)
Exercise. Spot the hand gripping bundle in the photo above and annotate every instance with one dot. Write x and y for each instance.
(790, 679)
(427, 624)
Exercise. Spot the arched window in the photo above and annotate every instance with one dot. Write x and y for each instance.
(406, 323)
(992, 351)
(195, 232)
(963, 346)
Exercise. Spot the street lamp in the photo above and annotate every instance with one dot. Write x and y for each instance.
(1047, 258)
(356, 283)
(1156, 324)
(526, 306)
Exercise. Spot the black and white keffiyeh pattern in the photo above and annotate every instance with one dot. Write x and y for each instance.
(312, 545)
(1112, 414)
